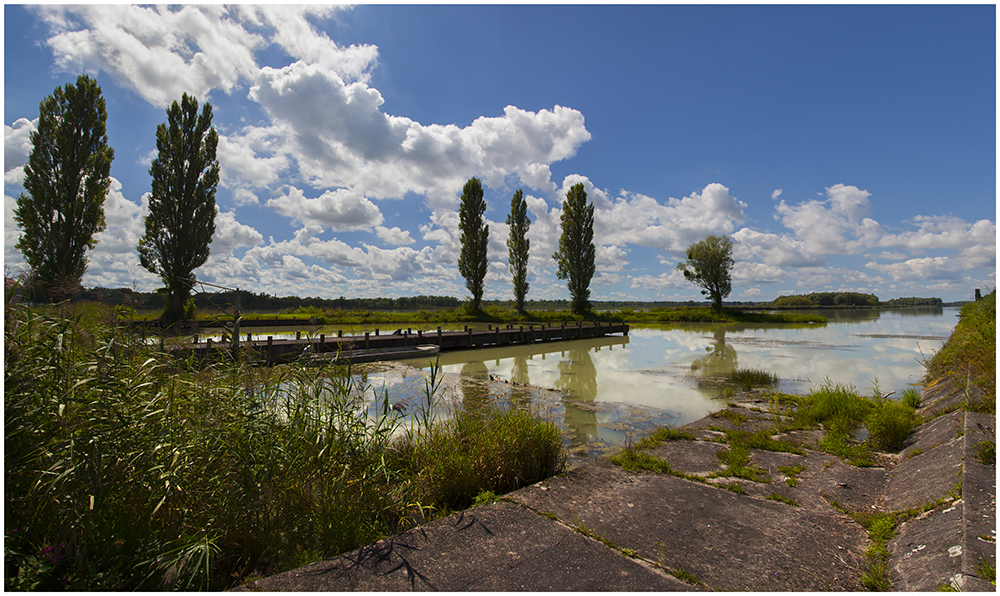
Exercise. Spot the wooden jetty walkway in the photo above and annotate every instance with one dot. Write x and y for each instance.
(273, 350)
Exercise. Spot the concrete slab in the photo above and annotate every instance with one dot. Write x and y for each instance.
(500, 547)
(728, 541)
(691, 457)
(933, 433)
(926, 477)
(927, 550)
(979, 498)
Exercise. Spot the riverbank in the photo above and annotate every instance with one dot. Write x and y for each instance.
(765, 494)
(918, 520)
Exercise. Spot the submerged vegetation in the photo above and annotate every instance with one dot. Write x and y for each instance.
(126, 470)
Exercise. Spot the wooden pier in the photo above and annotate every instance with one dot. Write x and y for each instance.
(272, 350)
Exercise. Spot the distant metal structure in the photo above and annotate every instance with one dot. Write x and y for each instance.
(234, 333)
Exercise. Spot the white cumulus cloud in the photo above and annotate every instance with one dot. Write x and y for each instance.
(342, 210)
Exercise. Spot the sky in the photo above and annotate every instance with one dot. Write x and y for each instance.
(842, 148)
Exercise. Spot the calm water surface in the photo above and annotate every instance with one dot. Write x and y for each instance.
(611, 388)
(602, 391)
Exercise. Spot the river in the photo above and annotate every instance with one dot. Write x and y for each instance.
(604, 391)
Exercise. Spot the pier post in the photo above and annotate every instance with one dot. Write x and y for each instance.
(298, 335)
(270, 345)
(376, 334)
(366, 338)
(195, 340)
(470, 335)
(522, 334)
(250, 339)
(498, 335)
(340, 333)
(439, 336)
(322, 343)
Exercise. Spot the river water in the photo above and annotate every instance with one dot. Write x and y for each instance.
(603, 391)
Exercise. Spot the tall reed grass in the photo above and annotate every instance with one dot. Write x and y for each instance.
(125, 470)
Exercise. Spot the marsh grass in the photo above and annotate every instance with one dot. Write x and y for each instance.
(748, 378)
(126, 470)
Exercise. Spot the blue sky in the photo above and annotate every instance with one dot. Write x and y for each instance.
(844, 148)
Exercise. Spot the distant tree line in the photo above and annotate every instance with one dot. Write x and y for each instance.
(848, 299)
(250, 301)
(913, 302)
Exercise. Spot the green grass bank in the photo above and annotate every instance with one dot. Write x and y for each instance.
(968, 358)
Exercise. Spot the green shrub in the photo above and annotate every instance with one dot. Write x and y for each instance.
(911, 398)
(495, 449)
(833, 404)
(889, 423)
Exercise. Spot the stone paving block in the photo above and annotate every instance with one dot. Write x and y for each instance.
(501, 547)
(927, 550)
(714, 534)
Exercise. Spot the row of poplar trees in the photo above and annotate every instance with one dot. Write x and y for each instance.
(67, 178)
(575, 256)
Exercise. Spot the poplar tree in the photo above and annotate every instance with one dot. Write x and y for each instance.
(182, 211)
(709, 265)
(67, 178)
(575, 256)
(517, 247)
(472, 260)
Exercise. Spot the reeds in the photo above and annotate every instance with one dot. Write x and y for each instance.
(748, 378)
(125, 470)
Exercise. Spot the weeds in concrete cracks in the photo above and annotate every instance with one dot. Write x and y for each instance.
(581, 528)
(737, 417)
(791, 473)
(735, 487)
(737, 460)
(782, 499)
(686, 576)
(681, 574)
(633, 460)
(986, 452)
(986, 570)
(881, 527)
(663, 435)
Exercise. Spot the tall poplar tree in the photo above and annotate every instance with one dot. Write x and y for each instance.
(475, 236)
(517, 247)
(67, 178)
(575, 256)
(182, 211)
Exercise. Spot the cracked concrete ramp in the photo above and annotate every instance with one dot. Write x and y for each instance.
(499, 547)
(726, 541)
